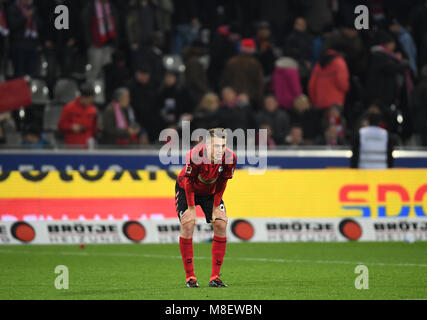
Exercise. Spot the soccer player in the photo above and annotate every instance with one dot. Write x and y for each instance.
(202, 182)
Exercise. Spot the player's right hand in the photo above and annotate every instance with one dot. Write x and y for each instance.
(189, 215)
(191, 211)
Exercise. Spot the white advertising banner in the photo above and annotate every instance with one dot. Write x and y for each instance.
(239, 230)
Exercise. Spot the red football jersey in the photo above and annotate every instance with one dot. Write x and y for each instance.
(199, 177)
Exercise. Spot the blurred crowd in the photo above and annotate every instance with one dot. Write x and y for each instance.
(297, 68)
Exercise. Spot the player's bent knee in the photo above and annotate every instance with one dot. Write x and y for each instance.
(219, 225)
(187, 230)
(221, 217)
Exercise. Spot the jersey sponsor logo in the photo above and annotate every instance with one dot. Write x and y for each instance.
(188, 169)
(207, 181)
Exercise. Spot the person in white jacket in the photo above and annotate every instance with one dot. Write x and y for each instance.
(372, 146)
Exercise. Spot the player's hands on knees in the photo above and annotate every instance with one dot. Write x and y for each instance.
(217, 212)
(191, 211)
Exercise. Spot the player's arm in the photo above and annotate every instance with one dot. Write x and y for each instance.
(189, 191)
(191, 172)
(222, 181)
(219, 191)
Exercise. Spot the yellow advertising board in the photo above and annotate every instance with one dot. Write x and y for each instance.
(275, 193)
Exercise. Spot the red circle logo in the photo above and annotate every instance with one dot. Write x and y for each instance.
(134, 231)
(23, 232)
(350, 229)
(243, 229)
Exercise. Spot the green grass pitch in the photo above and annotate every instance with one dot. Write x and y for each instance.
(252, 271)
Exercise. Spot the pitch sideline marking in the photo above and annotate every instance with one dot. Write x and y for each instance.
(228, 258)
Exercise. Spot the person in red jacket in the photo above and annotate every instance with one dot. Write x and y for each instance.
(78, 121)
(329, 81)
(202, 182)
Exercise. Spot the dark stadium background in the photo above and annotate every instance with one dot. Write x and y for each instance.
(194, 40)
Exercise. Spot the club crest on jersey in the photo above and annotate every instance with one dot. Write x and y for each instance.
(220, 169)
(188, 169)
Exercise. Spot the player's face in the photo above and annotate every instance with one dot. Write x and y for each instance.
(216, 149)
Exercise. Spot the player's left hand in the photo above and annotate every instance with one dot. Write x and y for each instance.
(219, 213)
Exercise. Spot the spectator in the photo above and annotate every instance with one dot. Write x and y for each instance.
(6, 125)
(34, 138)
(186, 23)
(173, 101)
(348, 42)
(372, 146)
(406, 43)
(271, 144)
(224, 46)
(143, 97)
(296, 136)
(363, 119)
(140, 23)
(196, 80)
(419, 107)
(318, 14)
(206, 114)
(265, 53)
(278, 13)
(4, 38)
(164, 12)
(152, 55)
(60, 46)
(236, 111)
(383, 72)
(277, 120)
(101, 29)
(244, 73)
(116, 74)
(24, 22)
(119, 122)
(305, 116)
(286, 82)
(229, 97)
(331, 137)
(299, 46)
(418, 27)
(334, 118)
(78, 121)
(329, 81)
